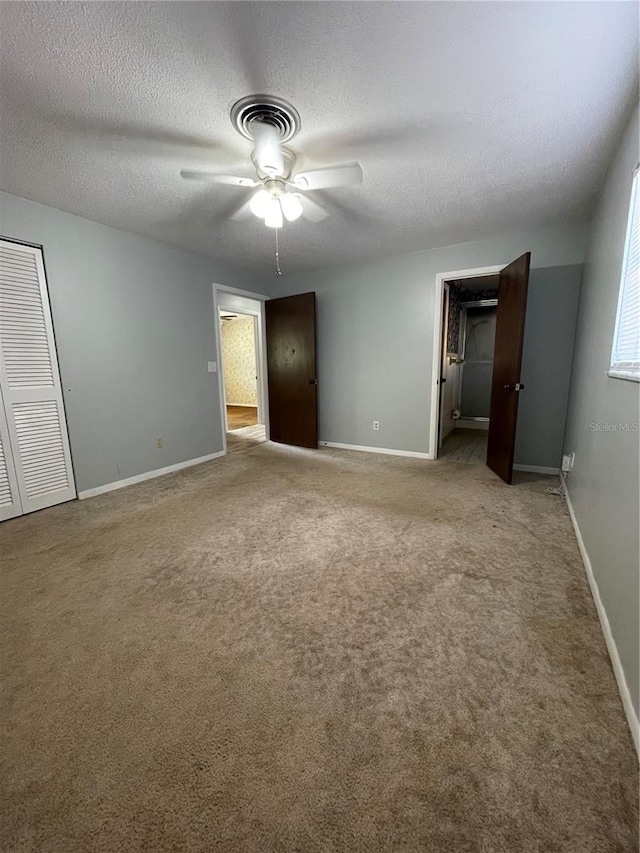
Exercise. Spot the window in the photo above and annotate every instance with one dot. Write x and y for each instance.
(625, 356)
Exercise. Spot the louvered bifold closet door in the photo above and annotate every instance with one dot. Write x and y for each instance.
(30, 381)
(10, 505)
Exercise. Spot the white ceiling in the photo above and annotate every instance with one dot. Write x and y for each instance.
(468, 118)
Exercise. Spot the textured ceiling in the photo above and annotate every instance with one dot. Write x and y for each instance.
(467, 118)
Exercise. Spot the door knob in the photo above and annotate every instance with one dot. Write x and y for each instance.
(313, 382)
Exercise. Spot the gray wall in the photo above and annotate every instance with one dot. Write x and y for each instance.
(552, 310)
(604, 483)
(134, 329)
(375, 339)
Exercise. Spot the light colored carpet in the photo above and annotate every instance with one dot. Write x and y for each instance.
(286, 650)
(239, 440)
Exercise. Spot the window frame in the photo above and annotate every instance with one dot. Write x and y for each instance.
(615, 371)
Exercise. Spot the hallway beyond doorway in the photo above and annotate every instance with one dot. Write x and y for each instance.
(468, 446)
(241, 416)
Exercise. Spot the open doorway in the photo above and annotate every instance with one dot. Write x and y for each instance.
(242, 367)
(285, 369)
(239, 368)
(468, 338)
(479, 321)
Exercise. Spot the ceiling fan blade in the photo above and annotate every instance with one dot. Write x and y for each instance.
(333, 176)
(248, 44)
(311, 210)
(212, 178)
(243, 213)
(433, 133)
(135, 140)
(268, 154)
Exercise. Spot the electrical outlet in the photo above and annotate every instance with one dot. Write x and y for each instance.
(212, 367)
(567, 462)
(159, 441)
(376, 425)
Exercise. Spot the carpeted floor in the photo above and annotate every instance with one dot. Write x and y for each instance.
(286, 650)
(240, 440)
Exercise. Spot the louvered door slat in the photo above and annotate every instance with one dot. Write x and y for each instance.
(16, 324)
(15, 266)
(6, 498)
(15, 276)
(6, 495)
(13, 249)
(12, 288)
(39, 445)
(30, 383)
(22, 309)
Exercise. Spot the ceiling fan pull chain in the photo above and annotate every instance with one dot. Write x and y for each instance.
(278, 270)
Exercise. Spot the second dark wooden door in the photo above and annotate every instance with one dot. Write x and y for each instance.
(291, 369)
(507, 361)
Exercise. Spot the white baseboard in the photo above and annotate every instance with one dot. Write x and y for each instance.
(536, 469)
(148, 475)
(623, 687)
(386, 450)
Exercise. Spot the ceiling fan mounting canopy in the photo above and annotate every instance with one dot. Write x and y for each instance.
(265, 109)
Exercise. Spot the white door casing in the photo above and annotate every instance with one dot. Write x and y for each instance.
(449, 374)
(441, 278)
(30, 382)
(234, 299)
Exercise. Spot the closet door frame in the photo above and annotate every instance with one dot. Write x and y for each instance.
(27, 395)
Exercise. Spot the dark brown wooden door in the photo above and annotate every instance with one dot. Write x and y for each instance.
(291, 369)
(507, 361)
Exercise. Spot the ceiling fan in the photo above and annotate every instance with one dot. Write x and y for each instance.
(269, 122)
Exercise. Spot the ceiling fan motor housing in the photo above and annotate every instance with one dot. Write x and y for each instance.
(275, 187)
(289, 161)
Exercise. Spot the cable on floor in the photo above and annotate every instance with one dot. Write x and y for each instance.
(559, 491)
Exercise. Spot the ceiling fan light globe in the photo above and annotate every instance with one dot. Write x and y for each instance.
(291, 206)
(273, 218)
(259, 204)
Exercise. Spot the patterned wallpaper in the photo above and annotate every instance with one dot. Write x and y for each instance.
(239, 360)
(457, 295)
